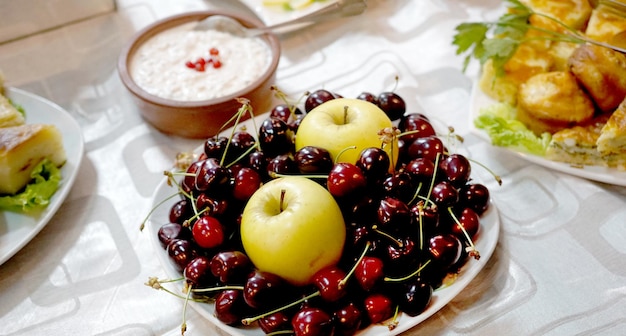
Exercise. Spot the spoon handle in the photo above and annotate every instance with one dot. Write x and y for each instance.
(341, 8)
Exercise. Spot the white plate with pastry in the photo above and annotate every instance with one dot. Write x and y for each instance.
(614, 176)
(273, 12)
(18, 228)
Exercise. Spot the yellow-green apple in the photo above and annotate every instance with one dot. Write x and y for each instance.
(341, 123)
(292, 227)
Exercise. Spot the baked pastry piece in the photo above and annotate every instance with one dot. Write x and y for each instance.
(552, 101)
(9, 115)
(602, 72)
(612, 139)
(22, 148)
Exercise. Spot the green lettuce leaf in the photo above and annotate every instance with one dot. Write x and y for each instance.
(499, 122)
(45, 180)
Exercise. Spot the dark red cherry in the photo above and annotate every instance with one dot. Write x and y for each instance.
(284, 112)
(240, 143)
(278, 321)
(180, 253)
(378, 307)
(245, 182)
(444, 194)
(429, 148)
(263, 290)
(317, 98)
(474, 196)
(328, 282)
(369, 272)
(469, 221)
(417, 125)
(348, 319)
(374, 162)
(393, 215)
(180, 211)
(198, 273)
(399, 185)
(230, 307)
(208, 232)
(282, 164)
(311, 321)
(415, 298)
(170, 231)
(214, 147)
(421, 171)
(275, 137)
(345, 179)
(211, 177)
(456, 168)
(313, 160)
(368, 97)
(231, 267)
(392, 104)
(445, 250)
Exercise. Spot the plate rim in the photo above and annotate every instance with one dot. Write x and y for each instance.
(69, 171)
(486, 247)
(479, 100)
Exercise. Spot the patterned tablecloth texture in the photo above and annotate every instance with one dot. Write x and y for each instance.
(559, 267)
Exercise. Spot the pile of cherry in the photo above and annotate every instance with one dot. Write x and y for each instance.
(407, 231)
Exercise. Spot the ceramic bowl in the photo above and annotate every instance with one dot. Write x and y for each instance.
(204, 118)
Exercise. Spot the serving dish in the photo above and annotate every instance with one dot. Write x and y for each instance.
(274, 14)
(200, 118)
(485, 242)
(480, 100)
(17, 229)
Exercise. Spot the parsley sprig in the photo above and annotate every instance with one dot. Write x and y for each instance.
(499, 40)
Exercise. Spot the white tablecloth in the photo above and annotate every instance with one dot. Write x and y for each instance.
(559, 267)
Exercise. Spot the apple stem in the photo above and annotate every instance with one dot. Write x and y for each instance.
(343, 281)
(345, 114)
(408, 276)
(282, 200)
(473, 252)
(250, 320)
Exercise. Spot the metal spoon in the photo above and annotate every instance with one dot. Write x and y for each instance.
(341, 8)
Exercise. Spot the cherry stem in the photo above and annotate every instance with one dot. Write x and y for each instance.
(343, 151)
(394, 322)
(249, 320)
(213, 289)
(183, 326)
(343, 281)
(432, 181)
(387, 235)
(408, 276)
(472, 248)
(282, 200)
(155, 283)
(275, 175)
(143, 222)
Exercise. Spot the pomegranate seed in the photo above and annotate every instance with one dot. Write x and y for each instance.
(190, 65)
(214, 51)
(209, 60)
(217, 64)
(199, 66)
(201, 61)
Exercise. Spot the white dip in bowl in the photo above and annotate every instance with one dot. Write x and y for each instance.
(166, 64)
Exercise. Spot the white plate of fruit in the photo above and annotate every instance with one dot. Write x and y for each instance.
(326, 217)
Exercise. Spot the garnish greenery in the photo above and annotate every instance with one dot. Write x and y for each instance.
(499, 122)
(45, 180)
(499, 40)
(18, 107)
